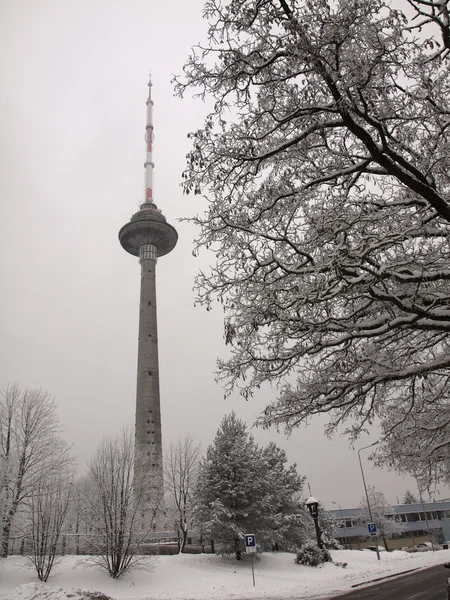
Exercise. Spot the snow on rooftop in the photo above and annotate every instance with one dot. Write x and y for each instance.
(209, 577)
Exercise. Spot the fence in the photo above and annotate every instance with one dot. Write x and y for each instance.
(86, 543)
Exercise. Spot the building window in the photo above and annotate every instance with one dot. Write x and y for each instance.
(147, 251)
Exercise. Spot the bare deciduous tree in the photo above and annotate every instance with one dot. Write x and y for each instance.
(382, 515)
(180, 470)
(121, 505)
(46, 513)
(31, 448)
(325, 163)
(79, 522)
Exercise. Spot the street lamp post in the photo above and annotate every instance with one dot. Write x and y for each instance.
(365, 489)
(342, 519)
(340, 508)
(425, 513)
(313, 507)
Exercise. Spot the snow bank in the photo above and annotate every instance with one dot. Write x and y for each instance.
(209, 577)
(31, 591)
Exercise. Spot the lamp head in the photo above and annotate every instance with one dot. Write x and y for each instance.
(313, 506)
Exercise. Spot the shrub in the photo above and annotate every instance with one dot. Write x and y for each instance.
(93, 595)
(192, 550)
(311, 555)
(331, 543)
(158, 549)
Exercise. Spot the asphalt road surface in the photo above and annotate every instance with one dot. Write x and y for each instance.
(428, 584)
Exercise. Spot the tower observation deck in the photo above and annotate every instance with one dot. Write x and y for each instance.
(148, 236)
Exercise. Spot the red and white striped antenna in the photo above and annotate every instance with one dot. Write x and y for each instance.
(149, 139)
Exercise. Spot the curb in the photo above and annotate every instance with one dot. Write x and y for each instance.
(355, 585)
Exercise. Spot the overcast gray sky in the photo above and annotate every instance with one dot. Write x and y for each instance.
(72, 116)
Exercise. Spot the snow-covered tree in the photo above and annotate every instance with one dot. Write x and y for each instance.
(3, 487)
(45, 517)
(325, 166)
(327, 525)
(120, 507)
(81, 521)
(409, 498)
(381, 513)
(284, 513)
(437, 535)
(180, 473)
(243, 488)
(31, 449)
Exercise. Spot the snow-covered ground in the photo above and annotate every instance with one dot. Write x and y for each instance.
(209, 577)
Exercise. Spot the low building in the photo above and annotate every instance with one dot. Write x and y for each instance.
(419, 521)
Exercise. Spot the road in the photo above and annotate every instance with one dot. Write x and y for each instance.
(428, 584)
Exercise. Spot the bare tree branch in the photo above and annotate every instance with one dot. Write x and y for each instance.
(325, 164)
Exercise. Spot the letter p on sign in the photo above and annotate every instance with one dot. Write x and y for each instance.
(250, 543)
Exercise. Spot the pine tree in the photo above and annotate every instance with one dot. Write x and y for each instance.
(243, 489)
(409, 498)
(283, 521)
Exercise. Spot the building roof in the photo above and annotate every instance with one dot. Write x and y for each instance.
(396, 509)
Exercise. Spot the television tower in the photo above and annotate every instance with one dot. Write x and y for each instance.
(148, 235)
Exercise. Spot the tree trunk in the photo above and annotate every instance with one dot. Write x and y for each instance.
(237, 549)
(183, 541)
(13, 508)
(385, 543)
(184, 532)
(5, 538)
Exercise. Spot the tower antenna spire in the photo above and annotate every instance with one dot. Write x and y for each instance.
(149, 236)
(149, 166)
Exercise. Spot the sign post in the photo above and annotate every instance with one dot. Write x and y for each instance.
(372, 528)
(250, 548)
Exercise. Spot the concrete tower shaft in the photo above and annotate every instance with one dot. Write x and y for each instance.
(148, 236)
(148, 411)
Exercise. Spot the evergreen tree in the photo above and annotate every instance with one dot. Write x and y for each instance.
(284, 516)
(243, 489)
(327, 526)
(409, 498)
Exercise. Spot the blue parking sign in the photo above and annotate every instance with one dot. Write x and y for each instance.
(250, 543)
(372, 528)
(250, 548)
